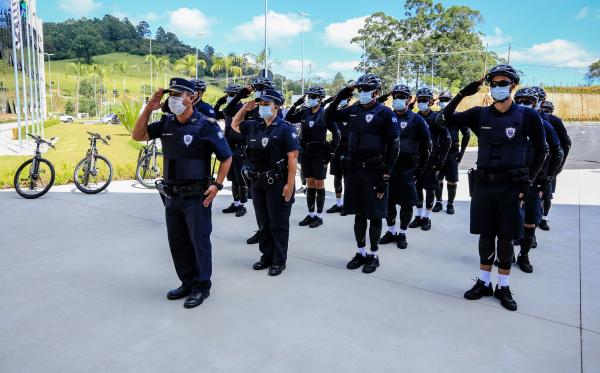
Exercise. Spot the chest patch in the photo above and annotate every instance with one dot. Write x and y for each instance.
(187, 139)
(403, 125)
(369, 118)
(510, 132)
(264, 142)
(220, 134)
(311, 123)
(294, 135)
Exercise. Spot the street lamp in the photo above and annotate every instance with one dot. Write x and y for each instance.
(266, 40)
(303, 15)
(50, 73)
(151, 75)
(198, 53)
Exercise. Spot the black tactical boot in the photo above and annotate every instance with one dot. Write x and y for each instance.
(505, 296)
(479, 290)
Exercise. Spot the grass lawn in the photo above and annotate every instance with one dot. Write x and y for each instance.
(71, 148)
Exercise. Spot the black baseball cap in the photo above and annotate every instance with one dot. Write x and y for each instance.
(180, 85)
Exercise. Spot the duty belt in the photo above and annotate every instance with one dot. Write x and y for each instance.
(270, 176)
(376, 162)
(184, 191)
(515, 176)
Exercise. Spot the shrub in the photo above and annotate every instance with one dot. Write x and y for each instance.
(69, 108)
(128, 113)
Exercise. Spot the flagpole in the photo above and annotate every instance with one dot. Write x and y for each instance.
(17, 93)
(25, 101)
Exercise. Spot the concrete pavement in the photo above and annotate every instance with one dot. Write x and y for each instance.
(84, 281)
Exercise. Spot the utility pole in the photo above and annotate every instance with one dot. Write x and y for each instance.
(50, 73)
(398, 70)
(485, 59)
(509, 53)
(266, 39)
(302, 14)
(197, 51)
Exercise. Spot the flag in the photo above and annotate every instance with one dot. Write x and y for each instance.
(16, 22)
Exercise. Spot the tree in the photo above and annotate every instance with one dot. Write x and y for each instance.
(69, 108)
(86, 46)
(163, 64)
(593, 72)
(161, 35)
(231, 64)
(143, 30)
(338, 83)
(77, 70)
(188, 65)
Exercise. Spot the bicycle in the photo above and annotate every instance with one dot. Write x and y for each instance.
(149, 164)
(35, 173)
(93, 173)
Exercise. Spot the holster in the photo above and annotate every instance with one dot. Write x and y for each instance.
(184, 191)
(471, 179)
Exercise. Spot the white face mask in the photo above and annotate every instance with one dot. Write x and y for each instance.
(265, 111)
(229, 99)
(312, 102)
(500, 93)
(365, 97)
(399, 104)
(176, 105)
(423, 106)
(538, 105)
(343, 103)
(443, 104)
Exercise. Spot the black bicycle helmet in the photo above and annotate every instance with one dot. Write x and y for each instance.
(369, 81)
(233, 89)
(317, 91)
(446, 95)
(540, 93)
(526, 92)
(199, 84)
(401, 88)
(548, 105)
(262, 82)
(505, 70)
(424, 92)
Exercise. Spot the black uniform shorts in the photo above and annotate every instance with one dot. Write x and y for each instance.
(335, 167)
(428, 180)
(450, 169)
(360, 195)
(402, 189)
(533, 207)
(235, 171)
(313, 167)
(495, 210)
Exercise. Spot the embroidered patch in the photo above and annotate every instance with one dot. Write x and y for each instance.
(395, 120)
(187, 139)
(403, 125)
(510, 132)
(369, 118)
(220, 134)
(311, 123)
(294, 135)
(265, 142)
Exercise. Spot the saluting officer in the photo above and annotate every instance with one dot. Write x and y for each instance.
(502, 177)
(335, 166)
(455, 156)
(201, 106)
(415, 147)
(527, 97)
(428, 180)
(373, 146)
(316, 151)
(188, 141)
(237, 143)
(272, 154)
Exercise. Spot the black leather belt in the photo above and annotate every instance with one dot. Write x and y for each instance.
(183, 191)
(270, 176)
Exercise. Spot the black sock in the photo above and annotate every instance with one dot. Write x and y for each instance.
(360, 230)
(429, 198)
(547, 204)
(406, 213)
(235, 191)
(451, 193)
(243, 193)
(320, 200)
(420, 198)
(337, 184)
(374, 233)
(439, 191)
(527, 241)
(311, 194)
(391, 215)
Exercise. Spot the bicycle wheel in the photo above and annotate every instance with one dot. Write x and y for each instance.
(93, 180)
(30, 184)
(149, 169)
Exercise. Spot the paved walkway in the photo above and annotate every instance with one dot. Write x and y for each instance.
(84, 281)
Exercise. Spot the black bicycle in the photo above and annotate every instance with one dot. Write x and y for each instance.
(93, 173)
(35, 177)
(149, 165)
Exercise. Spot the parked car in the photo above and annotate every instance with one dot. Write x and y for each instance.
(65, 118)
(110, 118)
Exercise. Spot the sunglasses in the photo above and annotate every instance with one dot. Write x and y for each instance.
(501, 83)
(313, 97)
(525, 101)
(423, 99)
(444, 100)
(365, 89)
(400, 97)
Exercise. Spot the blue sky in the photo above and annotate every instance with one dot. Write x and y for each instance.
(552, 41)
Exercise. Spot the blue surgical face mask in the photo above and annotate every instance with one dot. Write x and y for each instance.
(229, 99)
(443, 105)
(528, 106)
(265, 111)
(176, 105)
(500, 93)
(423, 106)
(312, 102)
(399, 104)
(343, 103)
(365, 97)
(538, 105)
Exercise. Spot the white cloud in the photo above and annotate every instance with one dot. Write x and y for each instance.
(583, 12)
(343, 65)
(188, 22)
(281, 28)
(324, 75)
(340, 34)
(295, 66)
(558, 53)
(135, 18)
(79, 8)
(497, 39)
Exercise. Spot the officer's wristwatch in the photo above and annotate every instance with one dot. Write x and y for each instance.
(218, 185)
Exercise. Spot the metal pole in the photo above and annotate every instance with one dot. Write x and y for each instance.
(34, 119)
(398, 70)
(509, 52)
(35, 73)
(197, 36)
(50, 73)
(151, 87)
(266, 40)
(303, 15)
(25, 100)
(485, 59)
(16, 71)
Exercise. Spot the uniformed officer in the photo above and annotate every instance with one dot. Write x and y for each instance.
(455, 156)
(201, 106)
(188, 141)
(565, 143)
(373, 146)
(502, 177)
(335, 166)
(316, 150)
(428, 180)
(527, 97)
(237, 143)
(272, 154)
(415, 147)
(259, 84)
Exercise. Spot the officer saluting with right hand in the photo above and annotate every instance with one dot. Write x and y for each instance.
(272, 156)
(188, 141)
(502, 177)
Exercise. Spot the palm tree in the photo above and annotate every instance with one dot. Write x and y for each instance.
(163, 64)
(123, 67)
(150, 59)
(77, 70)
(229, 64)
(256, 61)
(188, 65)
(101, 71)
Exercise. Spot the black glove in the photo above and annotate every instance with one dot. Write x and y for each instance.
(345, 93)
(460, 157)
(419, 172)
(244, 92)
(471, 88)
(328, 100)
(299, 101)
(383, 182)
(383, 98)
(221, 101)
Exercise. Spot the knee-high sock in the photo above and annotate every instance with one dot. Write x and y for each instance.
(429, 198)
(374, 233)
(320, 200)
(406, 213)
(420, 198)
(547, 205)
(337, 184)
(391, 215)
(311, 194)
(439, 190)
(527, 241)
(451, 193)
(235, 191)
(243, 190)
(360, 230)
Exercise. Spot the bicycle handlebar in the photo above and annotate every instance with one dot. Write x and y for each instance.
(97, 136)
(39, 140)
